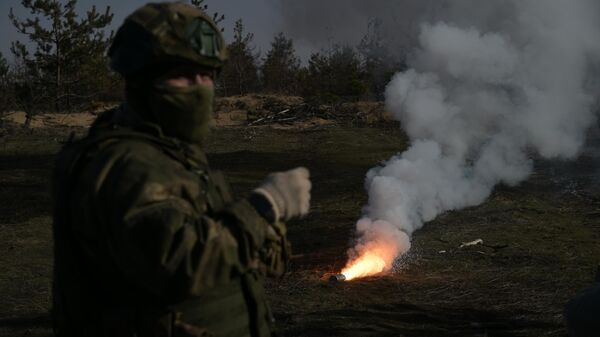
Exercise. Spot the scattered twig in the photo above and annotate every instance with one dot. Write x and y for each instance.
(472, 243)
(300, 112)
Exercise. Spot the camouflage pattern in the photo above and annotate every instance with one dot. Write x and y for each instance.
(149, 241)
(151, 42)
(582, 312)
(166, 33)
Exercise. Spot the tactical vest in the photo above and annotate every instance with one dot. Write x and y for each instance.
(235, 309)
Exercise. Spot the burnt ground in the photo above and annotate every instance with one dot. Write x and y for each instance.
(540, 240)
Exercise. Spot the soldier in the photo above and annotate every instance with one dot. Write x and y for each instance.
(582, 312)
(148, 240)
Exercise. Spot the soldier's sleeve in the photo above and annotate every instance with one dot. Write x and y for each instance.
(274, 253)
(158, 236)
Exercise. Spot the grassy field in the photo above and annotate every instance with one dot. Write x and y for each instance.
(540, 240)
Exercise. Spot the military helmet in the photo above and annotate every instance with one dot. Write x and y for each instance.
(158, 34)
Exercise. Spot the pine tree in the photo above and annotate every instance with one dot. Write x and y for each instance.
(240, 74)
(5, 90)
(335, 75)
(68, 51)
(281, 66)
(3, 68)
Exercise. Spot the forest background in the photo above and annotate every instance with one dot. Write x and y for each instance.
(59, 64)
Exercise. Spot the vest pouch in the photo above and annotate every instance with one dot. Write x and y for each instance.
(221, 312)
(218, 192)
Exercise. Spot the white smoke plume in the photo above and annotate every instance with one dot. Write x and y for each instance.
(478, 101)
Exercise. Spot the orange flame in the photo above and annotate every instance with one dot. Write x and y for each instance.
(374, 258)
(380, 244)
(366, 265)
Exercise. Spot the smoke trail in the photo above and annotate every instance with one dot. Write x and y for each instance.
(478, 100)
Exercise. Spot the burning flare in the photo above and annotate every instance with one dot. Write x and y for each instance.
(368, 264)
(379, 245)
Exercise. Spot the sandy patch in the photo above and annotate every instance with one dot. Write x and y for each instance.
(80, 119)
(240, 111)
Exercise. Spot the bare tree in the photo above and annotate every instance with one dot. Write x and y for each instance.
(378, 62)
(240, 74)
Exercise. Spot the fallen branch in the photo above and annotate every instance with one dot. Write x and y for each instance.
(472, 243)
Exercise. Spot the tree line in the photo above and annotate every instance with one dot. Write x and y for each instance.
(337, 73)
(63, 67)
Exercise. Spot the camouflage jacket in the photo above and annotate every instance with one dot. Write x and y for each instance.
(149, 242)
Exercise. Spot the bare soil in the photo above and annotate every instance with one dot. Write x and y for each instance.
(540, 239)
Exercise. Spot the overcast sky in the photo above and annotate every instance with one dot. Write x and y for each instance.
(260, 18)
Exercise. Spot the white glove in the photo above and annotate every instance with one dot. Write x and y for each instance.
(288, 192)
